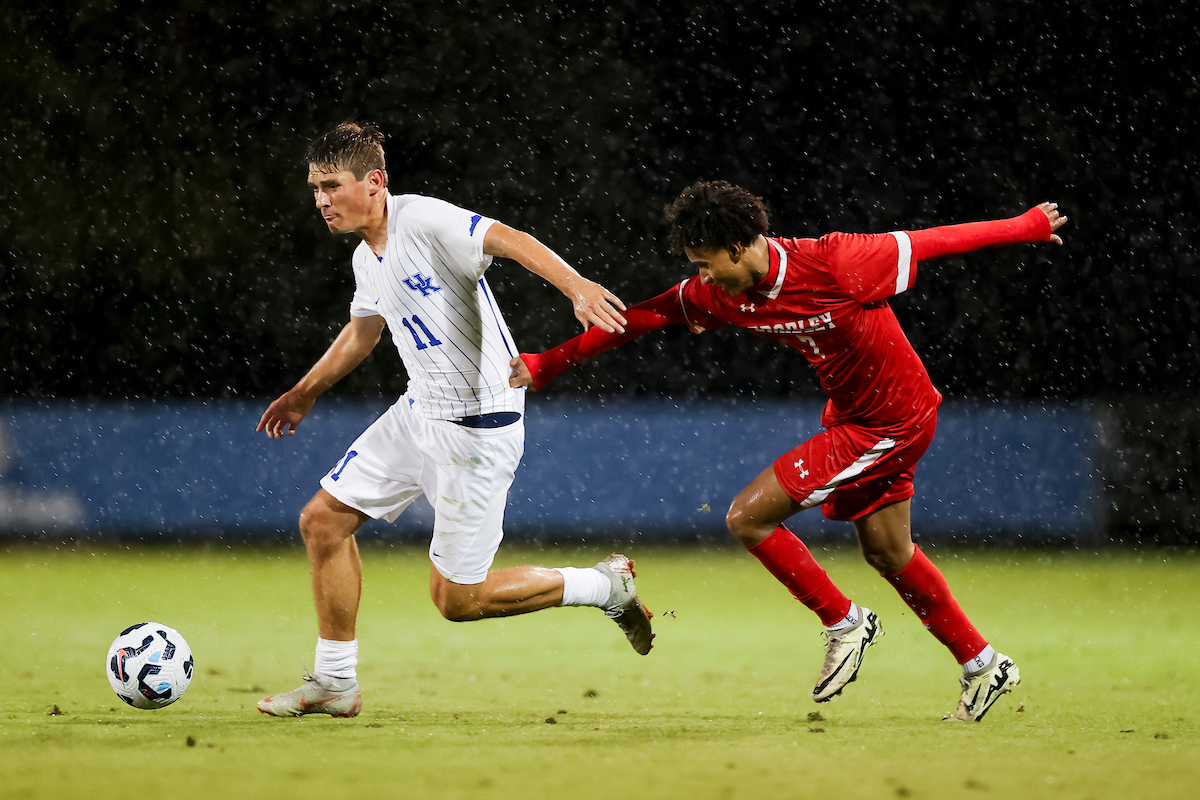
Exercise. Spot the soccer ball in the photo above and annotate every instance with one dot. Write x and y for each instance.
(149, 665)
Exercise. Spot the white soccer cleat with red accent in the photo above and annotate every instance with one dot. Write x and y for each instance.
(320, 694)
(623, 606)
(844, 651)
(982, 689)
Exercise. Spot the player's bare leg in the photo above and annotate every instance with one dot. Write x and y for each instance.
(886, 540)
(885, 537)
(759, 509)
(520, 590)
(504, 593)
(756, 518)
(328, 526)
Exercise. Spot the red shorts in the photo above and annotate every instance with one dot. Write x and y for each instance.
(851, 471)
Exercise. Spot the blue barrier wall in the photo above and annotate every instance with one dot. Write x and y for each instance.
(652, 467)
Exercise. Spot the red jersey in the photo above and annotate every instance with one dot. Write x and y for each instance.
(826, 298)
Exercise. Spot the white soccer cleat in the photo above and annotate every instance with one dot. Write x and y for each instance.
(844, 652)
(623, 605)
(982, 689)
(320, 694)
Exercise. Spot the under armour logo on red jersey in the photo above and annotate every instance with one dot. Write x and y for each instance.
(800, 466)
(747, 308)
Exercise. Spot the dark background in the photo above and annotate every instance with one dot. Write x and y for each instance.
(157, 238)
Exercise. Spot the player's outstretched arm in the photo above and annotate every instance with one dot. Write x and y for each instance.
(593, 304)
(355, 342)
(1038, 224)
(535, 370)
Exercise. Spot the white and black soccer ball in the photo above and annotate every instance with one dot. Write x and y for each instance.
(149, 665)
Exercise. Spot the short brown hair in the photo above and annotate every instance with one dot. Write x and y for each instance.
(353, 146)
(715, 214)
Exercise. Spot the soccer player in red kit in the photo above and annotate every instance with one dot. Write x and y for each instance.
(827, 298)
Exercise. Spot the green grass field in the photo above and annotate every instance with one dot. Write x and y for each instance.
(556, 705)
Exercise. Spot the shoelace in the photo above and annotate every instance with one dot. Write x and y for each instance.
(832, 638)
(616, 612)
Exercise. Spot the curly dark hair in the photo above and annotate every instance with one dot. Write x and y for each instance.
(353, 146)
(715, 214)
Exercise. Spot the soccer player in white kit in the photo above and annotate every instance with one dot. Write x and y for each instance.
(456, 435)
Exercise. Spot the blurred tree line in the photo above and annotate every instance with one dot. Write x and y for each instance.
(158, 239)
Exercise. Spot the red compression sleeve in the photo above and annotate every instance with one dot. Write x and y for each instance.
(926, 592)
(646, 316)
(949, 240)
(793, 565)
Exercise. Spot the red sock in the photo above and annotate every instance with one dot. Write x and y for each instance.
(792, 564)
(925, 590)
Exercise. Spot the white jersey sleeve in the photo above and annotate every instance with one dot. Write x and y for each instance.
(455, 234)
(362, 304)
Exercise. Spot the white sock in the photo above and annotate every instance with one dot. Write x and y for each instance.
(848, 621)
(980, 661)
(336, 659)
(584, 587)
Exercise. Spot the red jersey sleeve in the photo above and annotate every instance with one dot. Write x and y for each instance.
(1032, 226)
(869, 266)
(646, 316)
(701, 305)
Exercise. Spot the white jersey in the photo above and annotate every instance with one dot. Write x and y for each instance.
(429, 288)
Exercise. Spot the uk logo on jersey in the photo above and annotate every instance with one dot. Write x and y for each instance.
(422, 284)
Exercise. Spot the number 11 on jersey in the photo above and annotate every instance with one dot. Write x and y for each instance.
(433, 341)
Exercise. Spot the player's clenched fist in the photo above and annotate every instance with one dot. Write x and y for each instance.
(520, 378)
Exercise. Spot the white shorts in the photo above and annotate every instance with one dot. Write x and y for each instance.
(464, 472)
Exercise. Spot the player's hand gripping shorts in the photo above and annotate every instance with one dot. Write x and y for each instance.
(465, 473)
(851, 471)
